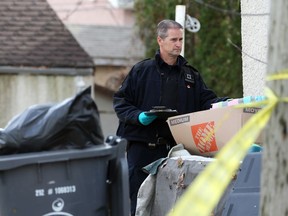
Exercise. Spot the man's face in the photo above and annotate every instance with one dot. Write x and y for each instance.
(171, 45)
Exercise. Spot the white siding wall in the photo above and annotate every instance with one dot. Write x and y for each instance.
(254, 45)
(18, 92)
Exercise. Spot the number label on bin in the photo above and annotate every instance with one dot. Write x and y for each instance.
(56, 190)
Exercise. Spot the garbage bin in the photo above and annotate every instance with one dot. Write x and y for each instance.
(244, 198)
(86, 182)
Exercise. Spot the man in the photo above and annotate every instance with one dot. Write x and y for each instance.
(167, 80)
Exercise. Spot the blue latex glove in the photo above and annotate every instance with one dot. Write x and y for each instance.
(145, 119)
(255, 148)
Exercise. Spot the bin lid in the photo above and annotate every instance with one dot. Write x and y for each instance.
(18, 160)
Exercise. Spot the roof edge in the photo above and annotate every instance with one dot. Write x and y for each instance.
(46, 71)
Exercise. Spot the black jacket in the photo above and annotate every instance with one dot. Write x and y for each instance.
(141, 90)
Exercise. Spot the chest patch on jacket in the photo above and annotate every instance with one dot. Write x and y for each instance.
(189, 78)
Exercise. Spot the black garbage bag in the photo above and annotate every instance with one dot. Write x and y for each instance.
(72, 123)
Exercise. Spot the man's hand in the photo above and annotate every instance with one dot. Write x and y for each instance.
(145, 119)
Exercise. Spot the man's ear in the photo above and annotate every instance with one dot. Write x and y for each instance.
(159, 39)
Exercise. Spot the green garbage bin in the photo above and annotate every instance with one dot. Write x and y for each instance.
(84, 182)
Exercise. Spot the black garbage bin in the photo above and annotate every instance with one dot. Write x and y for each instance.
(86, 182)
(244, 198)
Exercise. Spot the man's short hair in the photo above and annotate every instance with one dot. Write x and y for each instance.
(164, 25)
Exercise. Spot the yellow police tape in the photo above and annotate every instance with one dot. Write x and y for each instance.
(206, 190)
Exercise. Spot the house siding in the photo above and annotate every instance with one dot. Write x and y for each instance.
(19, 91)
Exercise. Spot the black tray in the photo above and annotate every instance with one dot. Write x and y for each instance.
(162, 113)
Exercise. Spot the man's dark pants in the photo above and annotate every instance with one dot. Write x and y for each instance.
(139, 155)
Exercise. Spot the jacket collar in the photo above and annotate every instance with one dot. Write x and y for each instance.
(180, 60)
